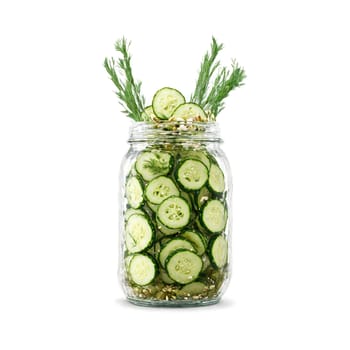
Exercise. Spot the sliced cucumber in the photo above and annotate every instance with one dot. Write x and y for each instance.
(139, 233)
(132, 211)
(214, 216)
(166, 230)
(193, 288)
(203, 196)
(216, 179)
(199, 155)
(127, 260)
(148, 114)
(164, 241)
(196, 239)
(188, 198)
(206, 262)
(174, 212)
(192, 174)
(183, 266)
(173, 245)
(159, 189)
(188, 112)
(156, 249)
(153, 207)
(165, 101)
(142, 269)
(200, 226)
(218, 251)
(134, 192)
(152, 164)
(165, 277)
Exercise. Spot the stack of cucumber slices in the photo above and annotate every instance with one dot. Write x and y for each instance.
(169, 104)
(175, 216)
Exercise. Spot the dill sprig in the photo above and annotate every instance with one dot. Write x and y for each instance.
(128, 90)
(155, 166)
(224, 83)
(208, 67)
(211, 91)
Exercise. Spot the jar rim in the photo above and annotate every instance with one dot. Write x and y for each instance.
(174, 131)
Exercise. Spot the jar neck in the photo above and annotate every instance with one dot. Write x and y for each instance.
(174, 132)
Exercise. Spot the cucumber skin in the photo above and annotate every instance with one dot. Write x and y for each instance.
(200, 237)
(172, 228)
(178, 181)
(202, 114)
(170, 167)
(197, 198)
(145, 189)
(209, 251)
(216, 193)
(202, 223)
(166, 231)
(156, 268)
(153, 238)
(139, 179)
(176, 252)
(136, 211)
(154, 96)
(193, 288)
(169, 242)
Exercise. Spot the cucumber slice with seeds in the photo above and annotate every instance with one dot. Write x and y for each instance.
(139, 233)
(134, 192)
(189, 112)
(142, 269)
(183, 266)
(216, 179)
(218, 251)
(196, 239)
(159, 189)
(192, 174)
(173, 245)
(174, 212)
(199, 155)
(214, 216)
(165, 101)
(152, 164)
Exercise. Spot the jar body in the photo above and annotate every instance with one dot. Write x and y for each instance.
(175, 217)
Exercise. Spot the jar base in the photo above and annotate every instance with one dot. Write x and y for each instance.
(172, 303)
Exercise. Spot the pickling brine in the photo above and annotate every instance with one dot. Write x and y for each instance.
(175, 215)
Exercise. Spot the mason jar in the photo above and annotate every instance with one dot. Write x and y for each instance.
(175, 215)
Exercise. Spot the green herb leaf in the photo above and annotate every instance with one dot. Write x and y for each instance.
(155, 165)
(211, 91)
(208, 67)
(128, 90)
(224, 83)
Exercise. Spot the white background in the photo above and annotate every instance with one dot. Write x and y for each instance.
(62, 137)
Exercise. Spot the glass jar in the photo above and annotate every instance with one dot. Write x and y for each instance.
(175, 215)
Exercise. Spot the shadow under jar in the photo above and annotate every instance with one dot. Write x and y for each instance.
(175, 215)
